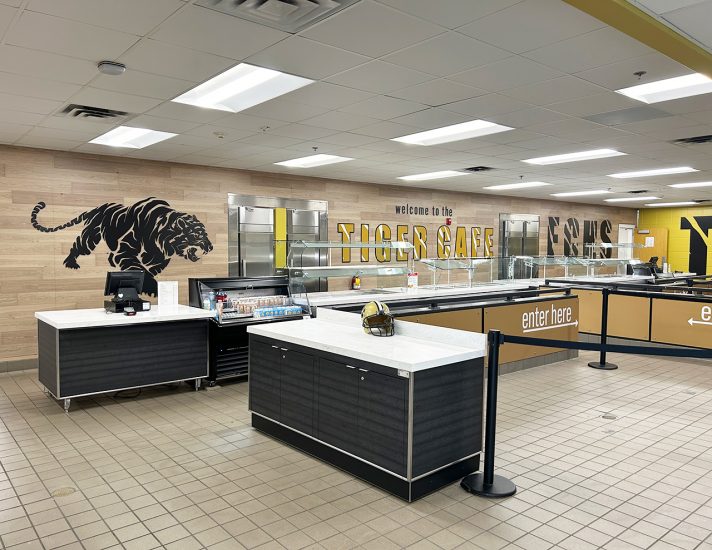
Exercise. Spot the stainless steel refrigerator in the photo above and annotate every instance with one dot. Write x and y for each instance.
(518, 236)
(261, 230)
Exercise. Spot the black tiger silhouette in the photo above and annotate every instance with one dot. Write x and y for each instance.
(144, 236)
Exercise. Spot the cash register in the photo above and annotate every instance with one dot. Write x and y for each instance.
(125, 287)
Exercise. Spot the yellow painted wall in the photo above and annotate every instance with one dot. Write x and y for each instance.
(678, 239)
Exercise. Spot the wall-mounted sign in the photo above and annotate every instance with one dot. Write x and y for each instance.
(421, 210)
(457, 242)
(145, 235)
(575, 241)
(548, 318)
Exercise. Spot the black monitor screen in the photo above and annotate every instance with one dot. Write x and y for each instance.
(123, 279)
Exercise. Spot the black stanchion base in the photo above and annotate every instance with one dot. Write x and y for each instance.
(475, 484)
(602, 366)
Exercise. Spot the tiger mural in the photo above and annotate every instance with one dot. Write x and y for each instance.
(145, 235)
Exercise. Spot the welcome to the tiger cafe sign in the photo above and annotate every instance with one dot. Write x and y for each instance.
(451, 241)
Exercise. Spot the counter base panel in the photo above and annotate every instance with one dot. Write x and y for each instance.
(407, 490)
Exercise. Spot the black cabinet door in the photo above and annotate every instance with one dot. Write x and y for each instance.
(264, 376)
(382, 415)
(337, 405)
(297, 390)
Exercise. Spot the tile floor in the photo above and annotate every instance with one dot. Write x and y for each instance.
(182, 470)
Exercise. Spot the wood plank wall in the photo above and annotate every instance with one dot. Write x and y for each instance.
(32, 276)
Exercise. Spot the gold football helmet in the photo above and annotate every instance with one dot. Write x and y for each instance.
(376, 319)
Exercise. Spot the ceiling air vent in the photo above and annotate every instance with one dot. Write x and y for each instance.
(286, 15)
(693, 140)
(92, 113)
(478, 169)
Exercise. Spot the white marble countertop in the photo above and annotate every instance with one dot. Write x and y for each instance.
(401, 294)
(84, 318)
(413, 347)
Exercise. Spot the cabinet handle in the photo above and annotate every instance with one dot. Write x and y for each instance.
(284, 349)
(275, 347)
(363, 370)
(350, 367)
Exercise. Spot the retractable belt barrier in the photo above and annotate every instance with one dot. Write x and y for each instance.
(486, 483)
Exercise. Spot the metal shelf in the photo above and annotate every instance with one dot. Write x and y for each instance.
(345, 271)
(396, 245)
(450, 264)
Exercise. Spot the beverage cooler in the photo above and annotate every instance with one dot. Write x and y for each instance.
(239, 302)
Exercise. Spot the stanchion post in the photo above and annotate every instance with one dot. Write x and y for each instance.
(601, 363)
(486, 483)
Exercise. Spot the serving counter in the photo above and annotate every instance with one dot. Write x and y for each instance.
(88, 351)
(372, 406)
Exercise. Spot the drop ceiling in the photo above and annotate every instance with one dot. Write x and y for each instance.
(382, 69)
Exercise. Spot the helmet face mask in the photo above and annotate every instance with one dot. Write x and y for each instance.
(377, 320)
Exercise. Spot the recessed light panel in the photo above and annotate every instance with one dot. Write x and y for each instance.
(693, 184)
(432, 175)
(312, 161)
(241, 87)
(456, 132)
(581, 193)
(133, 138)
(633, 199)
(573, 157)
(681, 203)
(655, 172)
(518, 185)
(670, 88)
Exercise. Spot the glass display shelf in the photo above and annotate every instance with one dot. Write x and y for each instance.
(457, 271)
(346, 270)
(394, 245)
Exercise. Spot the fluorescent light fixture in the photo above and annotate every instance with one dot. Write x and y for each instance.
(241, 87)
(581, 193)
(693, 184)
(656, 172)
(518, 185)
(133, 138)
(670, 88)
(312, 161)
(681, 203)
(573, 157)
(456, 132)
(633, 199)
(433, 175)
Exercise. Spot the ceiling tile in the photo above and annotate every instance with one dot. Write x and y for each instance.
(383, 107)
(371, 29)
(10, 116)
(284, 109)
(437, 92)
(26, 104)
(338, 120)
(595, 104)
(162, 124)
(526, 117)
(242, 121)
(431, 118)
(663, 6)
(328, 96)
(386, 130)
(229, 134)
(36, 87)
(7, 14)
(153, 56)
(620, 74)
(486, 105)
(52, 142)
(269, 140)
(61, 36)
(46, 65)
(508, 73)
(143, 84)
(351, 140)
(187, 113)
(301, 131)
(593, 49)
(446, 54)
(456, 12)
(553, 91)
(13, 3)
(134, 16)
(531, 24)
(693, 20)
(379, 77)
(107, 99)
(304, 57)
(210, 31)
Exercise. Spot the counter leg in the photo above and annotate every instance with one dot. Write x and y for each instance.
(197, 384)
(67, 404)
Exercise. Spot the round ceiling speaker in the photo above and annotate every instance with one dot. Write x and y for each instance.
(111, 68)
